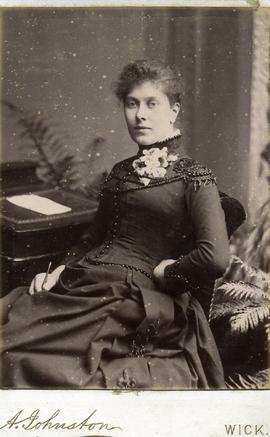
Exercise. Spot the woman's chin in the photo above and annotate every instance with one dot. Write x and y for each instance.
(144, 140)
(145, 143)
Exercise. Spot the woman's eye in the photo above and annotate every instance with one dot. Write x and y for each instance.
(130, 104)
(152, 104)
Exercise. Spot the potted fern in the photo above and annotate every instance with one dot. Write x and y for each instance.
(240, 308)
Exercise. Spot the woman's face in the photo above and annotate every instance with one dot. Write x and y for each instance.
(149, 115)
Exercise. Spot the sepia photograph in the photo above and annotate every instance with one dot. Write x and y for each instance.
(135, 199)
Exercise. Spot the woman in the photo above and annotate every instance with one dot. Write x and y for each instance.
(124, 314)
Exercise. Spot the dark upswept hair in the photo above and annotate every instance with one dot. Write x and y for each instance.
(144, 70)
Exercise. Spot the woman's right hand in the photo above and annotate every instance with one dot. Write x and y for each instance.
(158, 272)
(38, 283)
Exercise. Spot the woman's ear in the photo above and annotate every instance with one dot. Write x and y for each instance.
(175, 109)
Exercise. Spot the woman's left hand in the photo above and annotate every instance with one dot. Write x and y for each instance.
(159, 271)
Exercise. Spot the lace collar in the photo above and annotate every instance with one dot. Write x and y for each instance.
(153, 161)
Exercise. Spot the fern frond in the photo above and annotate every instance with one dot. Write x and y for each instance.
(259, 380)
(38, 133)
(239, 270)
(232, 384)
(227, 308)
(242, 290)
(267, 330)
(56, 165)
(248, 318)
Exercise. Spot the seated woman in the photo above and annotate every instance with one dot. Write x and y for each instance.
(124, 315)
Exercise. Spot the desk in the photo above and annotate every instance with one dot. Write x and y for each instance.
(30, 239)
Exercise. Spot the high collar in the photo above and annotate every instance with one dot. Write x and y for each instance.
(172, 143)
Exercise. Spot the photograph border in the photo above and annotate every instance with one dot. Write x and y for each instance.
(184, 413)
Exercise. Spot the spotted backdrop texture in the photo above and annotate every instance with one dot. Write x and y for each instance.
(62, 62)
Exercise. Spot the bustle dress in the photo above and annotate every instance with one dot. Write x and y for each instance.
(107, 324)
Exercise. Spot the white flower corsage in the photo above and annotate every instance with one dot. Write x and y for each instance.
(153, 164)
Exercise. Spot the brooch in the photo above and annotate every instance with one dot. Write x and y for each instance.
(153, 164)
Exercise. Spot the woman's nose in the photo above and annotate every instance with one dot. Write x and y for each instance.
(141, 113)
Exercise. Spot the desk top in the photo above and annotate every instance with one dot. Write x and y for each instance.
(20, 219)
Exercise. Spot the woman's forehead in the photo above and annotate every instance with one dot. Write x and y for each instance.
(146, 90)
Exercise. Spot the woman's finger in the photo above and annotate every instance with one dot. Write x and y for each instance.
(57, 272)
(166, 262)
(31, 288)
(39, 284)
(49, 283)
(35, 285)
(39, 280)
(53, 277)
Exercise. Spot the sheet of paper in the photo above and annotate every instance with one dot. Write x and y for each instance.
(38, 204)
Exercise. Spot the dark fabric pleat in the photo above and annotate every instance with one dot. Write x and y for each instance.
(110, 327)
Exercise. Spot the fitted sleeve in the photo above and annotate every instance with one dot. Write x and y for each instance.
(210, 257)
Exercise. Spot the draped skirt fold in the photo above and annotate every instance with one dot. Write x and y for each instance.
(106, 327)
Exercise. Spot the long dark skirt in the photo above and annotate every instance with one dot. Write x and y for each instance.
(107, 327)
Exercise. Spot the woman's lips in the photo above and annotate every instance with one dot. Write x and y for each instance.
(142, 128)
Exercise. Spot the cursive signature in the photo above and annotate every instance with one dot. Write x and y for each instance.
(34, 422)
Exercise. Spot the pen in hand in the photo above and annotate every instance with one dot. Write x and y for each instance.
(46, 276)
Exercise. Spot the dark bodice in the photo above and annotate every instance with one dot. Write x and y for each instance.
(175, 217)
(144, 224)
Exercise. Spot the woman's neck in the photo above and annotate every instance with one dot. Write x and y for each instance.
(170, 141)
(174, 134)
